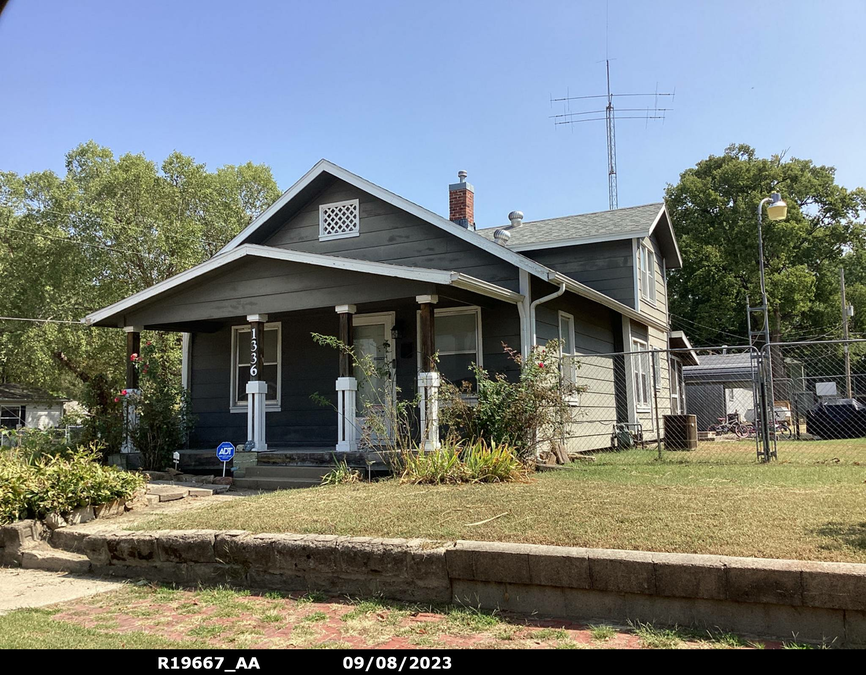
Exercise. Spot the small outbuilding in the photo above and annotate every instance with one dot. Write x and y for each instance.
(30, 407)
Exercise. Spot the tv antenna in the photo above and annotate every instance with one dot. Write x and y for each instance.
(579, 116)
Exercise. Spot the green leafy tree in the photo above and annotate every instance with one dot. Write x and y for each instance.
(714, 212)
(109, 227)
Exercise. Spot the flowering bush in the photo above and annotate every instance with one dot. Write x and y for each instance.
(163, 409)
(527, 414)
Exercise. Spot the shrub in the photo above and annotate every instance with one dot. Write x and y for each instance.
(341, 473)
(478, 462)
(60, 484)
(34, 443)
(526, 415)
(164, 411)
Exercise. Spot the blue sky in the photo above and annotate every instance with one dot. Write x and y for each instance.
(406, 93)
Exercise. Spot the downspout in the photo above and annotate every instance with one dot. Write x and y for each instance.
(536, 303)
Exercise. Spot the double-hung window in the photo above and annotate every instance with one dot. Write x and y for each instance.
(641, 369)
(566, 347)
(647, 268)
(458, 342)
(271, 365)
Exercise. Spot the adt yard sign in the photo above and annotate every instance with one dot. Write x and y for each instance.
(225, 453)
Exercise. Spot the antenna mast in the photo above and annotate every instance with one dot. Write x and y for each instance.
(576, 117)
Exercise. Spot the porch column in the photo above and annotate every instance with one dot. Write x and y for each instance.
(130, 411)
(257, 388)
(347, 385)
(428, 378)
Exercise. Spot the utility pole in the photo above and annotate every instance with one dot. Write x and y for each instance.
(846, 312)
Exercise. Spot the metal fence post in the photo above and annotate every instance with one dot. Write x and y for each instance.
(656, 404)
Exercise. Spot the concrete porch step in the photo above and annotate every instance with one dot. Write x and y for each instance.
(274, 483)
(307, 472)
(54, 560)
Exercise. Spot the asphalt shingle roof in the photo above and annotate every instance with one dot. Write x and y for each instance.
(599, 224)
(10, 391)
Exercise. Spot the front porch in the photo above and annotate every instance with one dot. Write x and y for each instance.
(256, 376)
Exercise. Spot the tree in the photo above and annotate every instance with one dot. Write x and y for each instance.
(108, 228)
(714, 212)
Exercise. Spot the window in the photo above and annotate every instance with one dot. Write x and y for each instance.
(641, 369)
(566, 347)
(271, 370)
(458, 342)
(338, 220)
(677, 406)
(647, 266)
(12, 416)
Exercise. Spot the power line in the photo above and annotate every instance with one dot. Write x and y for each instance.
(710, 328)
(21, 318)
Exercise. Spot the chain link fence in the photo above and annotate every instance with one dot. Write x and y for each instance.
(705, 404)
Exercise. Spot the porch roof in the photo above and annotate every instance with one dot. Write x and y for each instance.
(113, 315)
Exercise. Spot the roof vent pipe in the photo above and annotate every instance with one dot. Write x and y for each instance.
(503, 234)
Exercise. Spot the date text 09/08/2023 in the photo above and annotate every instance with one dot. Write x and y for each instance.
(357, 663)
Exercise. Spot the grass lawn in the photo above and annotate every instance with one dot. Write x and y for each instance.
(623, 500)
(158, 617)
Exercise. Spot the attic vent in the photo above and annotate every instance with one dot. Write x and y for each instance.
(338, 220)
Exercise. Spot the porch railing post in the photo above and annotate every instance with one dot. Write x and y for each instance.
(257, 388)
(130, 410)
(428, 379)
(347, 385)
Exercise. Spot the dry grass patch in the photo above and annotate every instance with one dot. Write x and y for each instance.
(623, 500)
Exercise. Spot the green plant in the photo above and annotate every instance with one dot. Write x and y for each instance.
(389, 418)
(163, 410)
(529, 414)
(60, 484)
(602, 632)
(341, 473)
(457, 462)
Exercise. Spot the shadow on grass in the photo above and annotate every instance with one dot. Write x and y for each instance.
(844, 534)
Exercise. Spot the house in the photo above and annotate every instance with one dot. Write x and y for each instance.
(720, 385)
(29, 407)
(339, 255)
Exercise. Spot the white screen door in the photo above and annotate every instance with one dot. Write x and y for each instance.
(372, 338)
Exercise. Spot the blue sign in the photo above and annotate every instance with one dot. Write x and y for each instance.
(225, 452)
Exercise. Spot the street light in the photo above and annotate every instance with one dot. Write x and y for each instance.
(776, 210)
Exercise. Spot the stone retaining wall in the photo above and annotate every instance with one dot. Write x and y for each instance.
(806, 601)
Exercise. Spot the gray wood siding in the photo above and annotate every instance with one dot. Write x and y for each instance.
(605, 266)
(270, 286)
(595, 411)
(388, 234)
(307, 368)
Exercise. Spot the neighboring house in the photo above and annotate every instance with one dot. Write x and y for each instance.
(338, 255)
(29, 407)
(722, 384)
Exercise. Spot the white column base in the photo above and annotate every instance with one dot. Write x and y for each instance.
(347, 430)
(428, 390)
(257, 392)
(130, 419)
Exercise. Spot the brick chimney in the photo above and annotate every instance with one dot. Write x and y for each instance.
(461, 202)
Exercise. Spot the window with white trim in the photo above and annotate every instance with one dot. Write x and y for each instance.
(271, 371)
(566, 347)
(458, 342)
(641, 370)
(12, 416)
(339, 220)
(647, 267)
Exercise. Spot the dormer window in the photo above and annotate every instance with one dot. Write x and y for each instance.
(339, 220)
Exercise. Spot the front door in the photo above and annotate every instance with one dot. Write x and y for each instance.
(374, 350)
